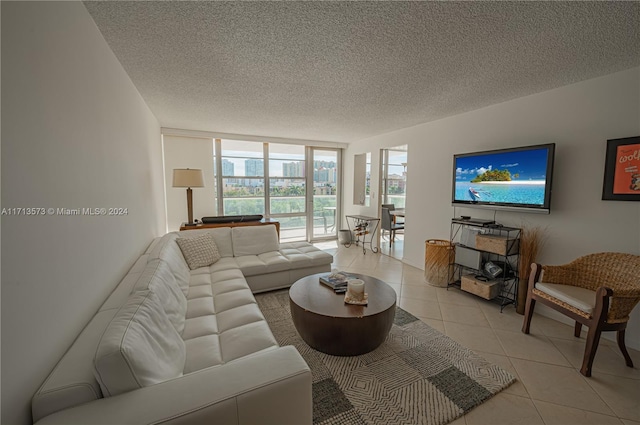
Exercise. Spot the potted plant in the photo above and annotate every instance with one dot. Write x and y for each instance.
(532, 239)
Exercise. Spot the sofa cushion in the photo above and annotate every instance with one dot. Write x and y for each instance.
(199, 252)
(140, 347)
(238, 316)
(168, 250)
(227, 275)
(200, 326)
(303, 254)
(228, 300)
(201, 306)
(203, 352)
(246, 340)
(229, 285)
(225, 263)
(200, 291)
(208, 279)
(157, 277)
(269, 262)
(254, 240)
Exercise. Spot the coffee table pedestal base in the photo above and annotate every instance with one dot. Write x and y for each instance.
(341, 336)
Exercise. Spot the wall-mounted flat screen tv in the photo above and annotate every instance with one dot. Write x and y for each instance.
(516, 179)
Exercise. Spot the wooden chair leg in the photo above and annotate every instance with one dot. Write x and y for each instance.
(577, 330)
(528, 314)
(593, 338)
(623, 348)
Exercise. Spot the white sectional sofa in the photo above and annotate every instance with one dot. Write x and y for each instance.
(174, 345)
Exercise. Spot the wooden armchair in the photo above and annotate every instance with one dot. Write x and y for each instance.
(597, 290)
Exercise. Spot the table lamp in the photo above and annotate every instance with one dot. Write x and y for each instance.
(186, 177)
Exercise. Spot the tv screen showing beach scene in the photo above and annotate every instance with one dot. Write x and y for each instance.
(515, 178)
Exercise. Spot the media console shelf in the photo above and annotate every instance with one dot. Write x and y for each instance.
(486, 259)
(264, 221)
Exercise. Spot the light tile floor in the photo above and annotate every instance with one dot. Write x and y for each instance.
(550, 388)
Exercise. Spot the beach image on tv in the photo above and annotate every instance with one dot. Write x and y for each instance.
(509, 177)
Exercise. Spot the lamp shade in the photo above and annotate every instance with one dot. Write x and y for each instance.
(187, 177)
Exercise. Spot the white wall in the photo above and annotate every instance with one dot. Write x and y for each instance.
(76, 134)
(188, 152)
(579, 118)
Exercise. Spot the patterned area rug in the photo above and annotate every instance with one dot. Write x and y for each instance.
(417, 376)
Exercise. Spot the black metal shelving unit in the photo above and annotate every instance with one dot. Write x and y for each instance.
(462, 235)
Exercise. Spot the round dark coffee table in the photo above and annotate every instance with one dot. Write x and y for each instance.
(328, 324)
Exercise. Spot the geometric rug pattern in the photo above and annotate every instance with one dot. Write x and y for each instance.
(417, 376)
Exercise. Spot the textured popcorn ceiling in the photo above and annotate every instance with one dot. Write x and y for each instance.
(343, 71)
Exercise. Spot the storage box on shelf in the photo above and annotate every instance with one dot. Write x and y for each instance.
(497, 244)
(482, 288)
(476, 243)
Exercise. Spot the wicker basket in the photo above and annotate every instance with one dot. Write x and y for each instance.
(438, 262)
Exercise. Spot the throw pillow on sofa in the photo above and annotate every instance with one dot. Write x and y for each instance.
(199, 252)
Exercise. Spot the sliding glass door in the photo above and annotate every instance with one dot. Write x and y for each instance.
(322, 197)
(287, 190)
(394, 176)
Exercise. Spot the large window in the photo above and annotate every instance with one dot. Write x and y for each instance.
(271, 179)
(287, 189)
(243, 186)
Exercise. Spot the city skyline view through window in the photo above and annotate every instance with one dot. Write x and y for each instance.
(271, 179)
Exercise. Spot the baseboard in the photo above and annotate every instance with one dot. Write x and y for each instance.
(417, 266)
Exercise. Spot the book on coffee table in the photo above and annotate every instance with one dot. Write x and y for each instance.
(336, 281)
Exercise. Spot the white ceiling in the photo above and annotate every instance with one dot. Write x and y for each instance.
(343, 71)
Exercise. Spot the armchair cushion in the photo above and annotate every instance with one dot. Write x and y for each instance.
(580, 298)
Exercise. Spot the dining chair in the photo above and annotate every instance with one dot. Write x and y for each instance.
(392, 207)
(388, 225)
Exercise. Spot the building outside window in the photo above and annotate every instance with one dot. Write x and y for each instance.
(271, 179)
(394, 183)
(287, 189)
(243, 191)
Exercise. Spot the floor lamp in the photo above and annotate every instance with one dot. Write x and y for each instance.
(186, 177)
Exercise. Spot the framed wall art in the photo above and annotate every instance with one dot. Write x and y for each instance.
(622, 170)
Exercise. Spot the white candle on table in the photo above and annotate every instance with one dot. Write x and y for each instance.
(356, 288)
